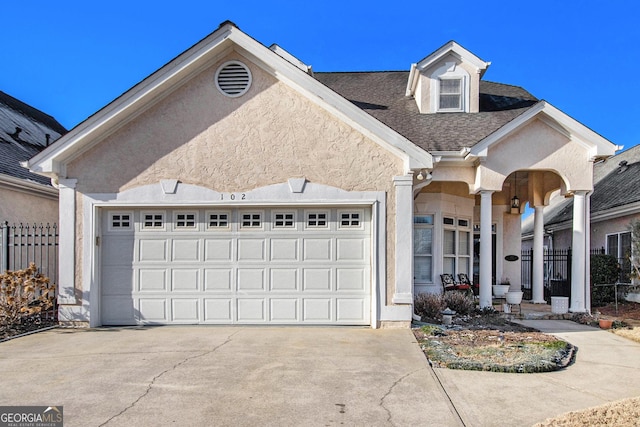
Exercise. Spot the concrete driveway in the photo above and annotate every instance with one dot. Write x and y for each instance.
(216, 376)
(292, 376)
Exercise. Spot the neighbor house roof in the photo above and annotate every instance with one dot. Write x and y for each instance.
(616, 185)
(382, 95)
(24, 132)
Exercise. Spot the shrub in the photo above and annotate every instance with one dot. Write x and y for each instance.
(460, 302)
(429, 306)
(604, 270)
(23, 293)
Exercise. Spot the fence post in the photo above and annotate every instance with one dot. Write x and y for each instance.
(4, 251)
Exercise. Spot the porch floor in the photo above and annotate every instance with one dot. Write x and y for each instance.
(530, 311)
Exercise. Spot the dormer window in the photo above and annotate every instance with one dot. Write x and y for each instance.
(450, 98)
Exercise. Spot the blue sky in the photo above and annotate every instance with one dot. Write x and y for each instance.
(71, 58)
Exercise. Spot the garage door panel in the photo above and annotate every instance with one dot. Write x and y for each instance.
(251, 310)
(218, 310)
(117, 281)
(218, 279)
(185, 250)
(153, 250)
(284, 310)
(317, 279)
(317, 249)
(350, 249)
(153, 310)
(251, 279)
(218, 250)
(118, 310)
(350, 309)
(152, 280)
(185, 280)
(284, 250)
(118, 251)
(318, 310)
(251, 250)
(283, 279)
(350, 279)
(185, 310)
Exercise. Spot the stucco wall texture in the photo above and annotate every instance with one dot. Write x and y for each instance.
(270, 134)
(17, 207)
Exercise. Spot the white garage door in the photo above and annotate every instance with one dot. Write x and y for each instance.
(277, 265)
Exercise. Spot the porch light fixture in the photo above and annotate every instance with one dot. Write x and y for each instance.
(515, 201)
(422, 175)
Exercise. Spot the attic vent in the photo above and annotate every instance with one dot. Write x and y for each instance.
(233, 79)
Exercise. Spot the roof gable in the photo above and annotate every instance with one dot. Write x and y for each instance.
(226, 38)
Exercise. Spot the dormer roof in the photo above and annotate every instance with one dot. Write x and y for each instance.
(450, 48)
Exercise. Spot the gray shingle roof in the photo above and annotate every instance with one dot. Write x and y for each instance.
(382, 95)
(23, 134)
(614, 186)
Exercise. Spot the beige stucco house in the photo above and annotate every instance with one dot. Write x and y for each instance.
(236, 185)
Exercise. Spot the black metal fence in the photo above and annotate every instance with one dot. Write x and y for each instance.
(23, 244)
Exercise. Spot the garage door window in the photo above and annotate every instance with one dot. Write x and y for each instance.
(350, 219)
(186, 220)
(120, 221)
(317, 220)
(251, 220)
(218, 220)
(283, 220)
(152, 220)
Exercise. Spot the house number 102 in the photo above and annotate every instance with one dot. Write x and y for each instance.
(234, 196)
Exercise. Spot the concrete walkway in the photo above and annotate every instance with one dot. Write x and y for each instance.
(607, 368)
(291, 376)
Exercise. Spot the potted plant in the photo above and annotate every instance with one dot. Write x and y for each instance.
(500, 290)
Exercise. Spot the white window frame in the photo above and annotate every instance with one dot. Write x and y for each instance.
(450, 71)
(460, 94)
(209, 227)
(274, 220)
(429, 257)
(128, 228)
(144, 227)
(457, 255)
(243, 227)
(193, 227)
(350, 212)
(307, 220)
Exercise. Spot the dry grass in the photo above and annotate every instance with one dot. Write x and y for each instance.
(622, 413)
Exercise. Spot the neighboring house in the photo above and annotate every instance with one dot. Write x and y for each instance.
(615, 203)
(235, 185)
(25, 197)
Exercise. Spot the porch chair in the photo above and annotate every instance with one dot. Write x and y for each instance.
(463, 280)
(448, 282)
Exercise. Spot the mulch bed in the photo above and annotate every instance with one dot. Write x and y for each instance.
(489, 342)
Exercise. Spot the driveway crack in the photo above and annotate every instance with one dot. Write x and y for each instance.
(398, 381)
(173, 368)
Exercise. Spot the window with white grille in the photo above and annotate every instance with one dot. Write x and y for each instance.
(218, 220)
(152, 220)
(284, 220)
(350, 219)
(186, 220)
(317, 220)
(120, 221)
(249, 220)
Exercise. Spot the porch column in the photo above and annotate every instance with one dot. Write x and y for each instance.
(404, 240)
(578, 258)
(67, 239)
(486, 253)
(538, 256)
